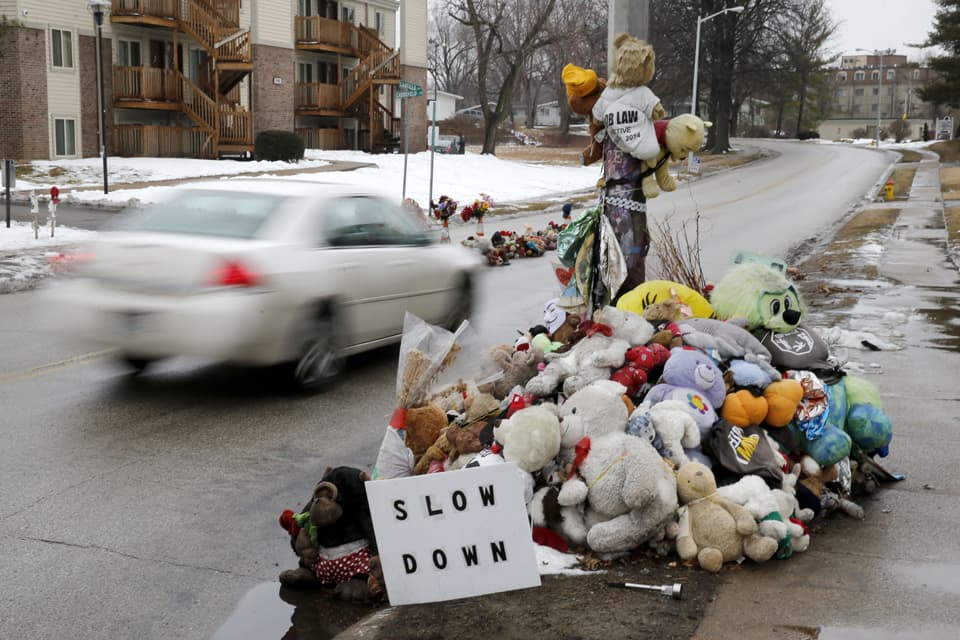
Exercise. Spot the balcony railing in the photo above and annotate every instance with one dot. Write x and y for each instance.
(236, 125)
(321, 138)
(317, 30)
(153, 141)
(316, 95)
(164, 9)
(146, 84)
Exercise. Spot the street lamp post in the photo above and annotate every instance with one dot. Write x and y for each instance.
(696, 52)
(98, 8)
(880, 53)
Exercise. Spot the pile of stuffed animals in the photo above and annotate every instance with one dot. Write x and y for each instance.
(716, 429)
(504, 245)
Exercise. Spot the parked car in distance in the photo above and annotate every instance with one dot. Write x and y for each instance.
(264, 272)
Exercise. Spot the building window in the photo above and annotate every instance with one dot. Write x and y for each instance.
(304, 7)
(856, 108)
(874, 75)
(128, 53)
(62, 48)
(873, 108)
(379, 22)
(876, 91)
(916, 74)
(347, 14)
(842, 93)
(65, 143)
(304, 72)
(858, 75)
(858, 92)
(891, 74)
(842, 76)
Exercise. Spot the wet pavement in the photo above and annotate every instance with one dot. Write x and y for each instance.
(894, 575)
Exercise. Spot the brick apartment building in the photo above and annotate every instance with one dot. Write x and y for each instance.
(200, 78)
(859, 92)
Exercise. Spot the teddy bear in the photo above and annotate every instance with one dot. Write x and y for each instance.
(583, 88)
(692, 304)
(334, 538)
(630, 493)
(530, 437)
(677, 137)
(714, 530)
(663, 316)
(592, 358)
(638, 369)
(672, 425)
(693, 378)
(627, 107)
(595, 410)
(726, 341)
(625, 325)
(760, 296)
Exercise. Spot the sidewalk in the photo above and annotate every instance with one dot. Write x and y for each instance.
(894, 575)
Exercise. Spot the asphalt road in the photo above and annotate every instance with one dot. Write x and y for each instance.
(146, 507)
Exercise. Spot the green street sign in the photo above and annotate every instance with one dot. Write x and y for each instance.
(409, 86)
(410, 93)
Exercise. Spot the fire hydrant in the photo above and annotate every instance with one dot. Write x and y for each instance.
(888, 190)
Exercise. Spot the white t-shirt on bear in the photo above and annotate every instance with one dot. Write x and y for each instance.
(626, 115)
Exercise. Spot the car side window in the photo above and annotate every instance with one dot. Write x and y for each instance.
(364, 220)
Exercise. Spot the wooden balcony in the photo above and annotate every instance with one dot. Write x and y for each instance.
(322, 138)
(136, 140)
(235, 126)
(227, 12)
(156, 13)
(317, 98)
(324, 34)
(146, 88)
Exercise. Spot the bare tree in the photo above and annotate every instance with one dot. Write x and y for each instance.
(805, 29)
(453, 57)
(504, 35)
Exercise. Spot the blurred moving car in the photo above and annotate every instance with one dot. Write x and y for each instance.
(265, 272)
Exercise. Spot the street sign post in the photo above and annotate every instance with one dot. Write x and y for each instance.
(407, 90)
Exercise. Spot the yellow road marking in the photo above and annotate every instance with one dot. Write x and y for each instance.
(26, 374)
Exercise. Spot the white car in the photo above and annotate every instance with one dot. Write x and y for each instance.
(265, 272)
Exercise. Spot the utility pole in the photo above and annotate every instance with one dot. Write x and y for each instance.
(627, 16)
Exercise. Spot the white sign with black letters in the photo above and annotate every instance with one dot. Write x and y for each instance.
(453, 535)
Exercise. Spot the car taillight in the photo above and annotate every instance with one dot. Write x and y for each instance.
(234, 274)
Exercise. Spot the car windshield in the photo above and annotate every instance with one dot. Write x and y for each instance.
(206, 213)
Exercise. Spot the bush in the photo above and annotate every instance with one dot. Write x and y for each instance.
(275, 144)
(808, 135)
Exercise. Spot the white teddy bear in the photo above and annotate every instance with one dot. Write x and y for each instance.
(672, 424)
(630, 492)
(592, 358)
(626, 325)
(530, 437)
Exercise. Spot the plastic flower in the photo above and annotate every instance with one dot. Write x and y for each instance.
(444, 207)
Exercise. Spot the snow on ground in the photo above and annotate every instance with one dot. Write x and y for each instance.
(462, 177)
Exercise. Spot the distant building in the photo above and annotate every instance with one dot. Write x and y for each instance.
(200, 78)
(548, 114)
(859, 92)
(446, 104)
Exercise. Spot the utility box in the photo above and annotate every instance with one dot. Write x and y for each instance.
(8, 180)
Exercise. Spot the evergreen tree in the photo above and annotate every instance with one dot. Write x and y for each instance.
(945, 34)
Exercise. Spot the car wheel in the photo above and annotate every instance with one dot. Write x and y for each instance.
(137, 364)
(320, 360)
(462, 306)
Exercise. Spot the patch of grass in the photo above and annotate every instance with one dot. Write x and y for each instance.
(24, 170)
(909, 155)
(948, 150)
(902, 181)
(951, 216)
(950, 183)
(56, 172)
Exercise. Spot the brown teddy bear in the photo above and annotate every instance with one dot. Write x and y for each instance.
(583, 89)
(677, 137)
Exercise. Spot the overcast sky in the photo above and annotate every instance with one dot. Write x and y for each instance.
(882, 24)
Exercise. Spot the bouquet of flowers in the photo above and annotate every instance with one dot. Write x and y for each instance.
(477, 209)
(444, 208)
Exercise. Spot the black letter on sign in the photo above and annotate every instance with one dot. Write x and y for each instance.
(459, 500)
(409, 563)
(430, 510)
(470, 555)
(439, 559)
(498, 551)
(399, 505)
(486, 495)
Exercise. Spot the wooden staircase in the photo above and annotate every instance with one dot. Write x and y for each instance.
(379, 128)
(226, 125)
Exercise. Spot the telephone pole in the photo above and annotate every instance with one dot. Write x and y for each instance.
(627, 16)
